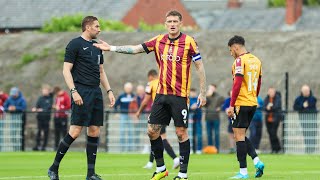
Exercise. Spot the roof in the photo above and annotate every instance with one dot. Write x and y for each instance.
(33, 13)
(208, 14)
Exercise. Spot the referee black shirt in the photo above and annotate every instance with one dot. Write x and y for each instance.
(86, 60)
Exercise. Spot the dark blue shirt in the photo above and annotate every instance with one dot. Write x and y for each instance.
(258, 114)
(123, 101)
(86, 60)
(197, 113)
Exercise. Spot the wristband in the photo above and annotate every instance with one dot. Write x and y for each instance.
(113, 48)
(110, 90)
(73, 90)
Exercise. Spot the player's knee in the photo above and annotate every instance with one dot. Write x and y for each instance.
(182, 134)
(74, 133)
(93, 131)
(152, 134)
(239, 137)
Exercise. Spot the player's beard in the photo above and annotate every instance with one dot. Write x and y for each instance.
(94, 36)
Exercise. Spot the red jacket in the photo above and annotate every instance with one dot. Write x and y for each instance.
(62, 104)
(3, 98)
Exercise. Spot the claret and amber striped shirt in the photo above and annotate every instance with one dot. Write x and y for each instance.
(174, 57)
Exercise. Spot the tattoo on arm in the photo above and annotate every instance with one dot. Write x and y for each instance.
(130, 49)
(202, 77)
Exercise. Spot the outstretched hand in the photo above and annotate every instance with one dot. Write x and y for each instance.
(104, 46)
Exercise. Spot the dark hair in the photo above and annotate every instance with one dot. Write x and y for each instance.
(56, 89)
(86, 21)
(193, 90)
(174, 13)
(214, 85)
(236, 40)
(152, 72)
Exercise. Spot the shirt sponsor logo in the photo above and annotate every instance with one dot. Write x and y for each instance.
(170, 57)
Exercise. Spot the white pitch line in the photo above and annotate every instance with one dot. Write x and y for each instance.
(146, 174)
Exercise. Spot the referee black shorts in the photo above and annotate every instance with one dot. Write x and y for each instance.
(166, 107)
(91, 112)
(243, 116)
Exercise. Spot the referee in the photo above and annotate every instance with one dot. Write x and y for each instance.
(83, 72)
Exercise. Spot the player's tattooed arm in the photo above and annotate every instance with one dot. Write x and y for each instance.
(202, 79)
(129, 49)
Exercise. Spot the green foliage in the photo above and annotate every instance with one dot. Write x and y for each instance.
(60, 55)
(28, 58)
(73, 23)
(312, 2)
(277, 3)
(282, 3)
(143, 26)
(64, 23)
(111, 25)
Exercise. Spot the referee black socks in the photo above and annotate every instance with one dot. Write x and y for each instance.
(242, 153)
(62, 150)
(157, 151)
(92, 147)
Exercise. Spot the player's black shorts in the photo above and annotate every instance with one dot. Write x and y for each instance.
(243, 116)
(91, 112)
(166, 107)
(163, 130)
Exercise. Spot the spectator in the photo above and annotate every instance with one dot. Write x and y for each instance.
(214, 103)
(123, 102)
(17, 104)
(273, 107)
(133, 108)
(306, 105)
(43, 109)
(225, 107)
(256, 125)
(196, 116)
(3, 98)
(62, 105)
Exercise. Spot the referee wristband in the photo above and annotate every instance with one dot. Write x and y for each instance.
(73, 90)
(113, 48)
(110, 90)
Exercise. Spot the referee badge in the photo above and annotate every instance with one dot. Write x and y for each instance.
(98, 61)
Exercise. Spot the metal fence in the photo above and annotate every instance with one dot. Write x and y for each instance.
(11, 132)
(301, 133)
(122, 133)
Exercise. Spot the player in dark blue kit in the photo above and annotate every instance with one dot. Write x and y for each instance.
(83, 72)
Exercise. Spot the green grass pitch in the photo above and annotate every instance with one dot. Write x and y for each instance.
(34, 165)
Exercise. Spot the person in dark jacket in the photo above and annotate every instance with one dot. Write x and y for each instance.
(214, 103)
(256, 125)
(43, 109)
(273, 107)
(16, 104)
(306, 105)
